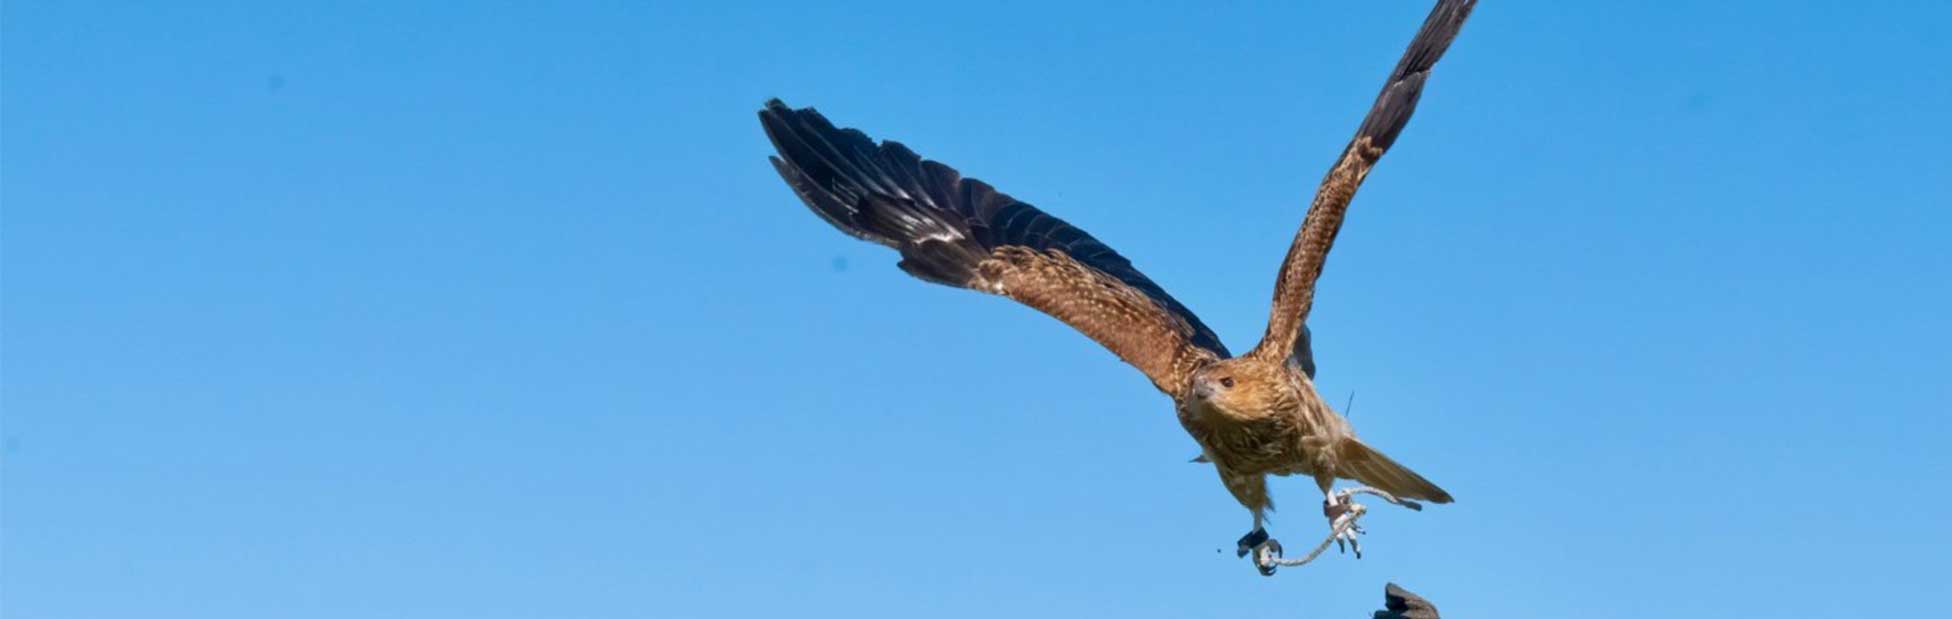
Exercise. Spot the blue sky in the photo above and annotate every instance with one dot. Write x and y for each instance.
(422, 310)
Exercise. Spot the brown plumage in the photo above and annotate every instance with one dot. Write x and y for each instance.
(1253, 415)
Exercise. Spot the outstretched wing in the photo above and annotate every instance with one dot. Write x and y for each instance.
(962, 232)
(1294, 291)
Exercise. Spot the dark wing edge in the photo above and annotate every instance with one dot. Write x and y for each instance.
(1303, 357)
(1294, 289)
(1399, 603)
(961, 232)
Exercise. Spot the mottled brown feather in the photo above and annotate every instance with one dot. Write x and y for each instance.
(1130, 324)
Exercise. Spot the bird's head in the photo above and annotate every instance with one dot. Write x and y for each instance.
(1243, 387)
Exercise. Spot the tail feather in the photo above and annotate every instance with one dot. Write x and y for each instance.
(1364, 464)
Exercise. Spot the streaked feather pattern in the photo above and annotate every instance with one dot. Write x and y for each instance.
(1294, 288)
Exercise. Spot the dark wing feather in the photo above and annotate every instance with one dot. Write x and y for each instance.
(1303, 357)
(1294, 290)
(961, 232)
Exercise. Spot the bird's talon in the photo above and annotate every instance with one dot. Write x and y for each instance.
(1266, 557)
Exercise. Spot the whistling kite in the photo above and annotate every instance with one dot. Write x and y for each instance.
(1253, 415)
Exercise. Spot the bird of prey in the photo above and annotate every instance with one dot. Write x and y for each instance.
(1253, 415)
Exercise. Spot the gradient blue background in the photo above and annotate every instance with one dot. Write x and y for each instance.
(420, 310)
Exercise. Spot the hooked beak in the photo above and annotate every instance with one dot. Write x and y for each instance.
(1202, 389)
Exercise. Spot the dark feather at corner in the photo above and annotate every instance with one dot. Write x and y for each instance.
(1399, 603)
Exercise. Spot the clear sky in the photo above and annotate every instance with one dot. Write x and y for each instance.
(418, 310)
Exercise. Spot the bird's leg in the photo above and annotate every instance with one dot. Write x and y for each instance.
(1253, 539)
(1267, 550)
(1251, 491)
(1342, 514)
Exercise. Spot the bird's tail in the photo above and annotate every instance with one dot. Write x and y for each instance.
(1364, 464)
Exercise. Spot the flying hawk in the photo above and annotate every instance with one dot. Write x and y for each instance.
(1253, 415)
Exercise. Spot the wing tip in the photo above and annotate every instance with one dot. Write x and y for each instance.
(1398, 101)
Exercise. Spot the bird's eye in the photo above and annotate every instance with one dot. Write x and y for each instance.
(1227, 382)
